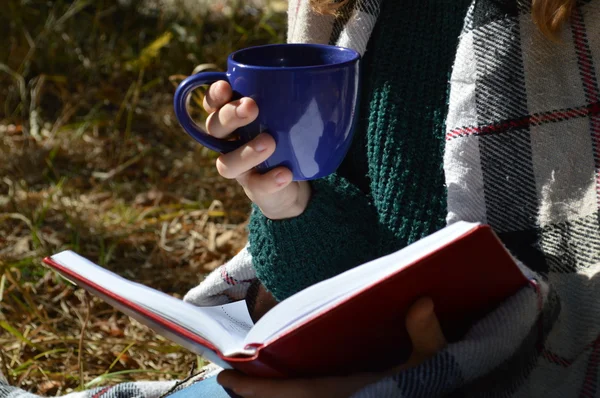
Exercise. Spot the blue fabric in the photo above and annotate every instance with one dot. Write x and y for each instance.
(207, 388)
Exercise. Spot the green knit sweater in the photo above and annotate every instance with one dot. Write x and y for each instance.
(389, 191)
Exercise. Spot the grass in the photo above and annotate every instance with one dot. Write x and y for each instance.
(93, 160)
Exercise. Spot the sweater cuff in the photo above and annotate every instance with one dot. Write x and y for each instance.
(336, 232)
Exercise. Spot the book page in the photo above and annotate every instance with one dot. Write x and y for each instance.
(225, 326)
(327, 294)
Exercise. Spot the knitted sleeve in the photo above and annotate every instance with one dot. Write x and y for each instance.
(337, 231)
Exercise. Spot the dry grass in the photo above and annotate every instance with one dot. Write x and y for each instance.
(93, 160)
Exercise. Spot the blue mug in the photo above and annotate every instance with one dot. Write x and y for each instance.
(307, 97)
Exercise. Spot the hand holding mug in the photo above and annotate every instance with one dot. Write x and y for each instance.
(274, 192)
(293, 108)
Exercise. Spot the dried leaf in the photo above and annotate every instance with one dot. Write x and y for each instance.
(224, 238)
(212, 265)
(49, 387)
(22, 246)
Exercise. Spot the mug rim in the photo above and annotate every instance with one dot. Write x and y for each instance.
(355, 57)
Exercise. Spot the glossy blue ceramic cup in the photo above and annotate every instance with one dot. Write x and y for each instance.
(307, 96)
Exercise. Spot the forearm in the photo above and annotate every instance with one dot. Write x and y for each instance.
(337, 231)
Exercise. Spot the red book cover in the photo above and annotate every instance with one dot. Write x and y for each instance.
(364, 331)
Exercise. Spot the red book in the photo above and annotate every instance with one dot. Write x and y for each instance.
(350, 323)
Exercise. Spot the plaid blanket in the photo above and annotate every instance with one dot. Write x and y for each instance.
(522, 154)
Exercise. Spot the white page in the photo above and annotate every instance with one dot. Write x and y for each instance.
(225, 326)
(326, 294)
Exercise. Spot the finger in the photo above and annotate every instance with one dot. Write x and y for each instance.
(328, 387)
(273, 181)
(424, 330)
(219, 93)
(231, 116)
(246, 386)
(233, 164)
(235, 381)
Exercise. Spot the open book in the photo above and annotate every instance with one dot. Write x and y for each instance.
(349, 323)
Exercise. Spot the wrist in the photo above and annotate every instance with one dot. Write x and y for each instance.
(294, 208)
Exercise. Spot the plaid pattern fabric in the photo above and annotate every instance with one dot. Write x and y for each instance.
(522, 154)
(351, 27)
(140, 389)
(226, 284)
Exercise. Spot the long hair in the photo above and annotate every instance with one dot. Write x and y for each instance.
(548, 15)
(551, 15)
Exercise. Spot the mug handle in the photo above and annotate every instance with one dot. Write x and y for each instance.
(183, 91)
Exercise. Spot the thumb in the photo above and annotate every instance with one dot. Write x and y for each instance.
(424, 330)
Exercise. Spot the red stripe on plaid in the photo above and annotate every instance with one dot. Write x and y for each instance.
(590, 84)
(564, 362)
(535, 119)
(230, 280)
(102, 392)
(556, 359)
(227, 278)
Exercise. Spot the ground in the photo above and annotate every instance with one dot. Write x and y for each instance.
(93, 160)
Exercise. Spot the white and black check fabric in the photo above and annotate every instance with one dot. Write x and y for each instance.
(522, 155)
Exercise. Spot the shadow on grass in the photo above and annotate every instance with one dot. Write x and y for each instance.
(93, 160)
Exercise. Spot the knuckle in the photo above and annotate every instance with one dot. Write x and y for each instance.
(263, 186)
(209, 99)
(227, 115)
(224, 170)
(222, 87)
(206, 105)
(218, 94)
(252, 107)
(212, 124)
(254, 184)
(222, 92)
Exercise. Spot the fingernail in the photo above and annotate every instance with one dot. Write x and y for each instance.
(280, 178)
(259, 146)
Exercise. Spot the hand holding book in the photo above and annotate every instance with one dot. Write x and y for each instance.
(427, 339)
(351, 323)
